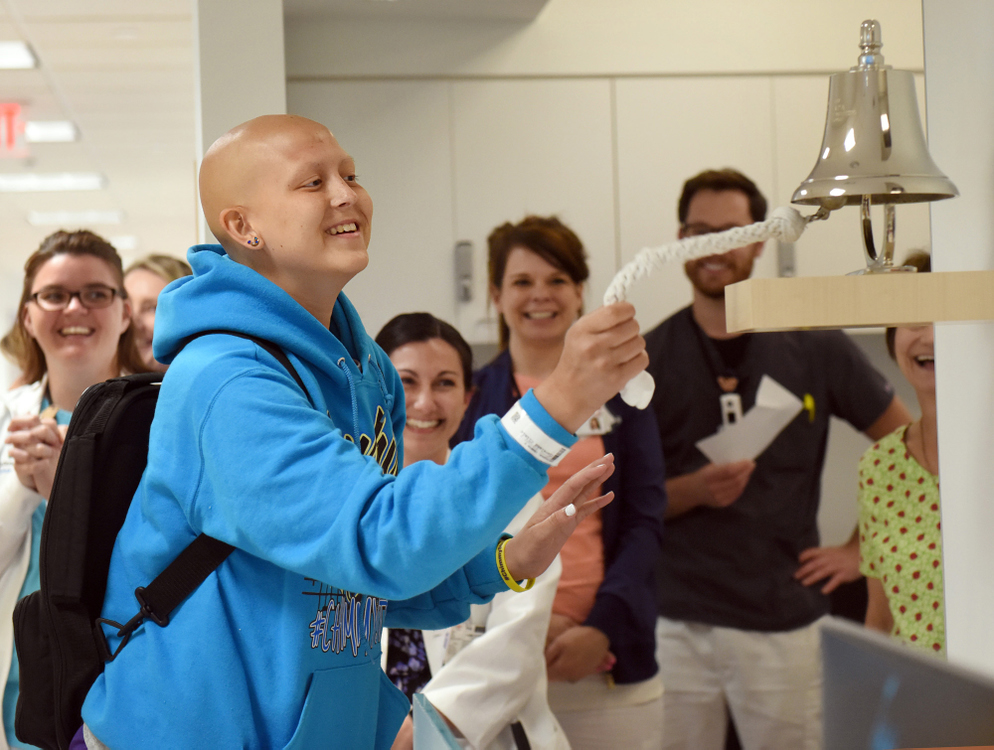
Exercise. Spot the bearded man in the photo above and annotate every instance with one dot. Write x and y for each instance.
(738, 604)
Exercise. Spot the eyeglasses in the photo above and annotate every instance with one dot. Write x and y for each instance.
(697, 230)
(94, 297)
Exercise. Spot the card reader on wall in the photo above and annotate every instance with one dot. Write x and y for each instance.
(464, 271)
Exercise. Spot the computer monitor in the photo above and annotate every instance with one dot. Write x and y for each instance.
(880, 694)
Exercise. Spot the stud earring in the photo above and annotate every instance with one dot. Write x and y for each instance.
(254, 242)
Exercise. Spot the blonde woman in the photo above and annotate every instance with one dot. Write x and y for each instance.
(143, 281)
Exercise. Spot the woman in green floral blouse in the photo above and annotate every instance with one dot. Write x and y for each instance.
(899, 525)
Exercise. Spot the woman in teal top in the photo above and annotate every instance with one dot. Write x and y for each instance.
(72, 330)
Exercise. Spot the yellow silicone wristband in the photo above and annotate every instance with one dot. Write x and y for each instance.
(505, 573)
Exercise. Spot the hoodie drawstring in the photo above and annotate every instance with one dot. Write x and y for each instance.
(387, 396)
(355, 402)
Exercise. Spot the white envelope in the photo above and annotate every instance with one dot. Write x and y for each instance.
(774, 409)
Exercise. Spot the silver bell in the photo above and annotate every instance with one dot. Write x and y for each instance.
(874, 149)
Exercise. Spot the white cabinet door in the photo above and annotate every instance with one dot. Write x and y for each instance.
(669, 129)
(533, 147)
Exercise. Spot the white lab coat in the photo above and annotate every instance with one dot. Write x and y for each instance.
(17, 505)
(499, 677)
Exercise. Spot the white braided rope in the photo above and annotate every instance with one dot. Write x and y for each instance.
(784, 224)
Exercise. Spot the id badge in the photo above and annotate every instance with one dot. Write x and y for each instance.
(731, 409)
(460, 636)
(601, 423)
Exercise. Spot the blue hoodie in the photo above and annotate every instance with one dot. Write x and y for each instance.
(280, 646)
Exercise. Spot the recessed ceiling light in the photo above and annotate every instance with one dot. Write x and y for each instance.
(74, 218)
(54, 182)
(16, 56)
(125, 243)
(50, 131)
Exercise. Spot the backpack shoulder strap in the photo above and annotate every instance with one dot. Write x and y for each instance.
(270, 347)
(195, 563)
(167, 591)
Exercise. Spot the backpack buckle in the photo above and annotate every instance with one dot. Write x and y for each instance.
(147, 610)
(124, 631)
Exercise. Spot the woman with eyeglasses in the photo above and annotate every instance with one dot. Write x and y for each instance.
(72, 330)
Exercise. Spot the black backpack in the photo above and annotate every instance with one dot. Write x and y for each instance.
(60, 644)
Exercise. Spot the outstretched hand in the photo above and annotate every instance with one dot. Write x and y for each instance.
(534, 548)
(35, 446)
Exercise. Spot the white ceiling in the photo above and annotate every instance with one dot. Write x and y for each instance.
(451, 9)
(123, 70)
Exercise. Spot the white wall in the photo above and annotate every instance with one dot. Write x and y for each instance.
(625, 37)
(595, 111)
(598, 112)
(960, 78)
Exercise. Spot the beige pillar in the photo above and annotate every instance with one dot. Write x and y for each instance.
(959, 79)
(240, 70)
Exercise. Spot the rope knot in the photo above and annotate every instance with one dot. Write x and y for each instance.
(787, 224)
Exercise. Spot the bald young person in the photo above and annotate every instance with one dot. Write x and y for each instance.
(280, 646)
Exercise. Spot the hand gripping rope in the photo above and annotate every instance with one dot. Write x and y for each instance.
(784, 224)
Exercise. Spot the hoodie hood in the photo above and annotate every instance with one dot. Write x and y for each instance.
(223, 294)
(282, 640)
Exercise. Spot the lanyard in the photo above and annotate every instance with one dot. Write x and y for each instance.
(726, 378)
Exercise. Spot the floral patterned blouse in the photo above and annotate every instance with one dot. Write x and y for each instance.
(900, 540)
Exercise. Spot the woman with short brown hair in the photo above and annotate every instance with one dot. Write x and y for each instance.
(600, 650)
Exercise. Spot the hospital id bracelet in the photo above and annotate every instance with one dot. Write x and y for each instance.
(531, 437)
(504, 573)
